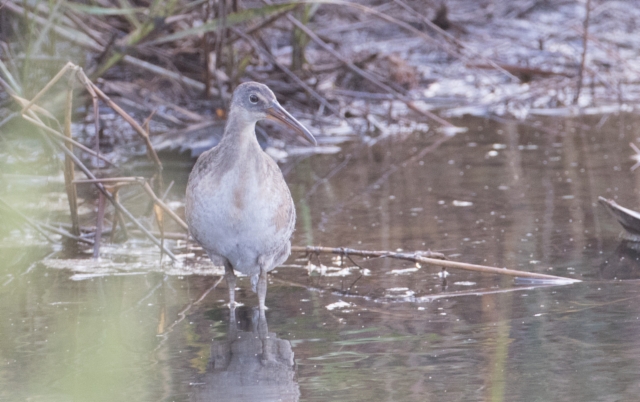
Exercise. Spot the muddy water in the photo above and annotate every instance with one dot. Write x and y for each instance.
(502, 194)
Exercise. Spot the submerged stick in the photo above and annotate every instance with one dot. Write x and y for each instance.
(419, 257)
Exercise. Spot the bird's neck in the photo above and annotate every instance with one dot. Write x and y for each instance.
(239, 134)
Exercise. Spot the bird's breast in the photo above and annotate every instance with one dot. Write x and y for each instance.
(241, 213)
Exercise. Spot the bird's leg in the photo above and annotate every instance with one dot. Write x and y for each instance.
(263, 333)
(262, 288)
(231, 283)
(232, 335)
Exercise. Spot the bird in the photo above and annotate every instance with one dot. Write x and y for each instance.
(238, 206)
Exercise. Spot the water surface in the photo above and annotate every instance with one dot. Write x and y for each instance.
(522, 196)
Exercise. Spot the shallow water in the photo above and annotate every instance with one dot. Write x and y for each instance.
(502, 194)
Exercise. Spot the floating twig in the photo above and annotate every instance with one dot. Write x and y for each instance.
(430, 258)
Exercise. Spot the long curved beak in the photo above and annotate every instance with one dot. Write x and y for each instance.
(277, 113)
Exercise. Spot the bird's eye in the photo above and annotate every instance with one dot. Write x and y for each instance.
(253, 98)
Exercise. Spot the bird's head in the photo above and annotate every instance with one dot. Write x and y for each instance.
(253, 101)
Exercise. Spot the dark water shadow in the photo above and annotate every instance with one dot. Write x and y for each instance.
(623, 263)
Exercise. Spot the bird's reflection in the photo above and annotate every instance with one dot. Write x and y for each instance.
(250, 365)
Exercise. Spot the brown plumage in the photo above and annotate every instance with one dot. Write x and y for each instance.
(239, 207)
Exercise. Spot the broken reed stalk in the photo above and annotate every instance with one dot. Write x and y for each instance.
(118, 180)
(24, 103)
(62, 137)
(99, 220)
(30, 116)
(96, 119)
(151, 152)
(118, 218)
(116, 203)
(34, 119)
(72, 195)
(420, 258)
(146, 187)
(583, 57)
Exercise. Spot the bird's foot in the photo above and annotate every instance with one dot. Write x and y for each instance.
(234, 304)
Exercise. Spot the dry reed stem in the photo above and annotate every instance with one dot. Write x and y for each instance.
(146, 187)
(52, 82)
(164, 206)
(102, 189)
(138, 129)
(96, 118)
(419, 258)
(118, 218)
(97, 93)
(65, 139)
(99, 221)
(118, 180)
(119, 206)
(69, 172)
